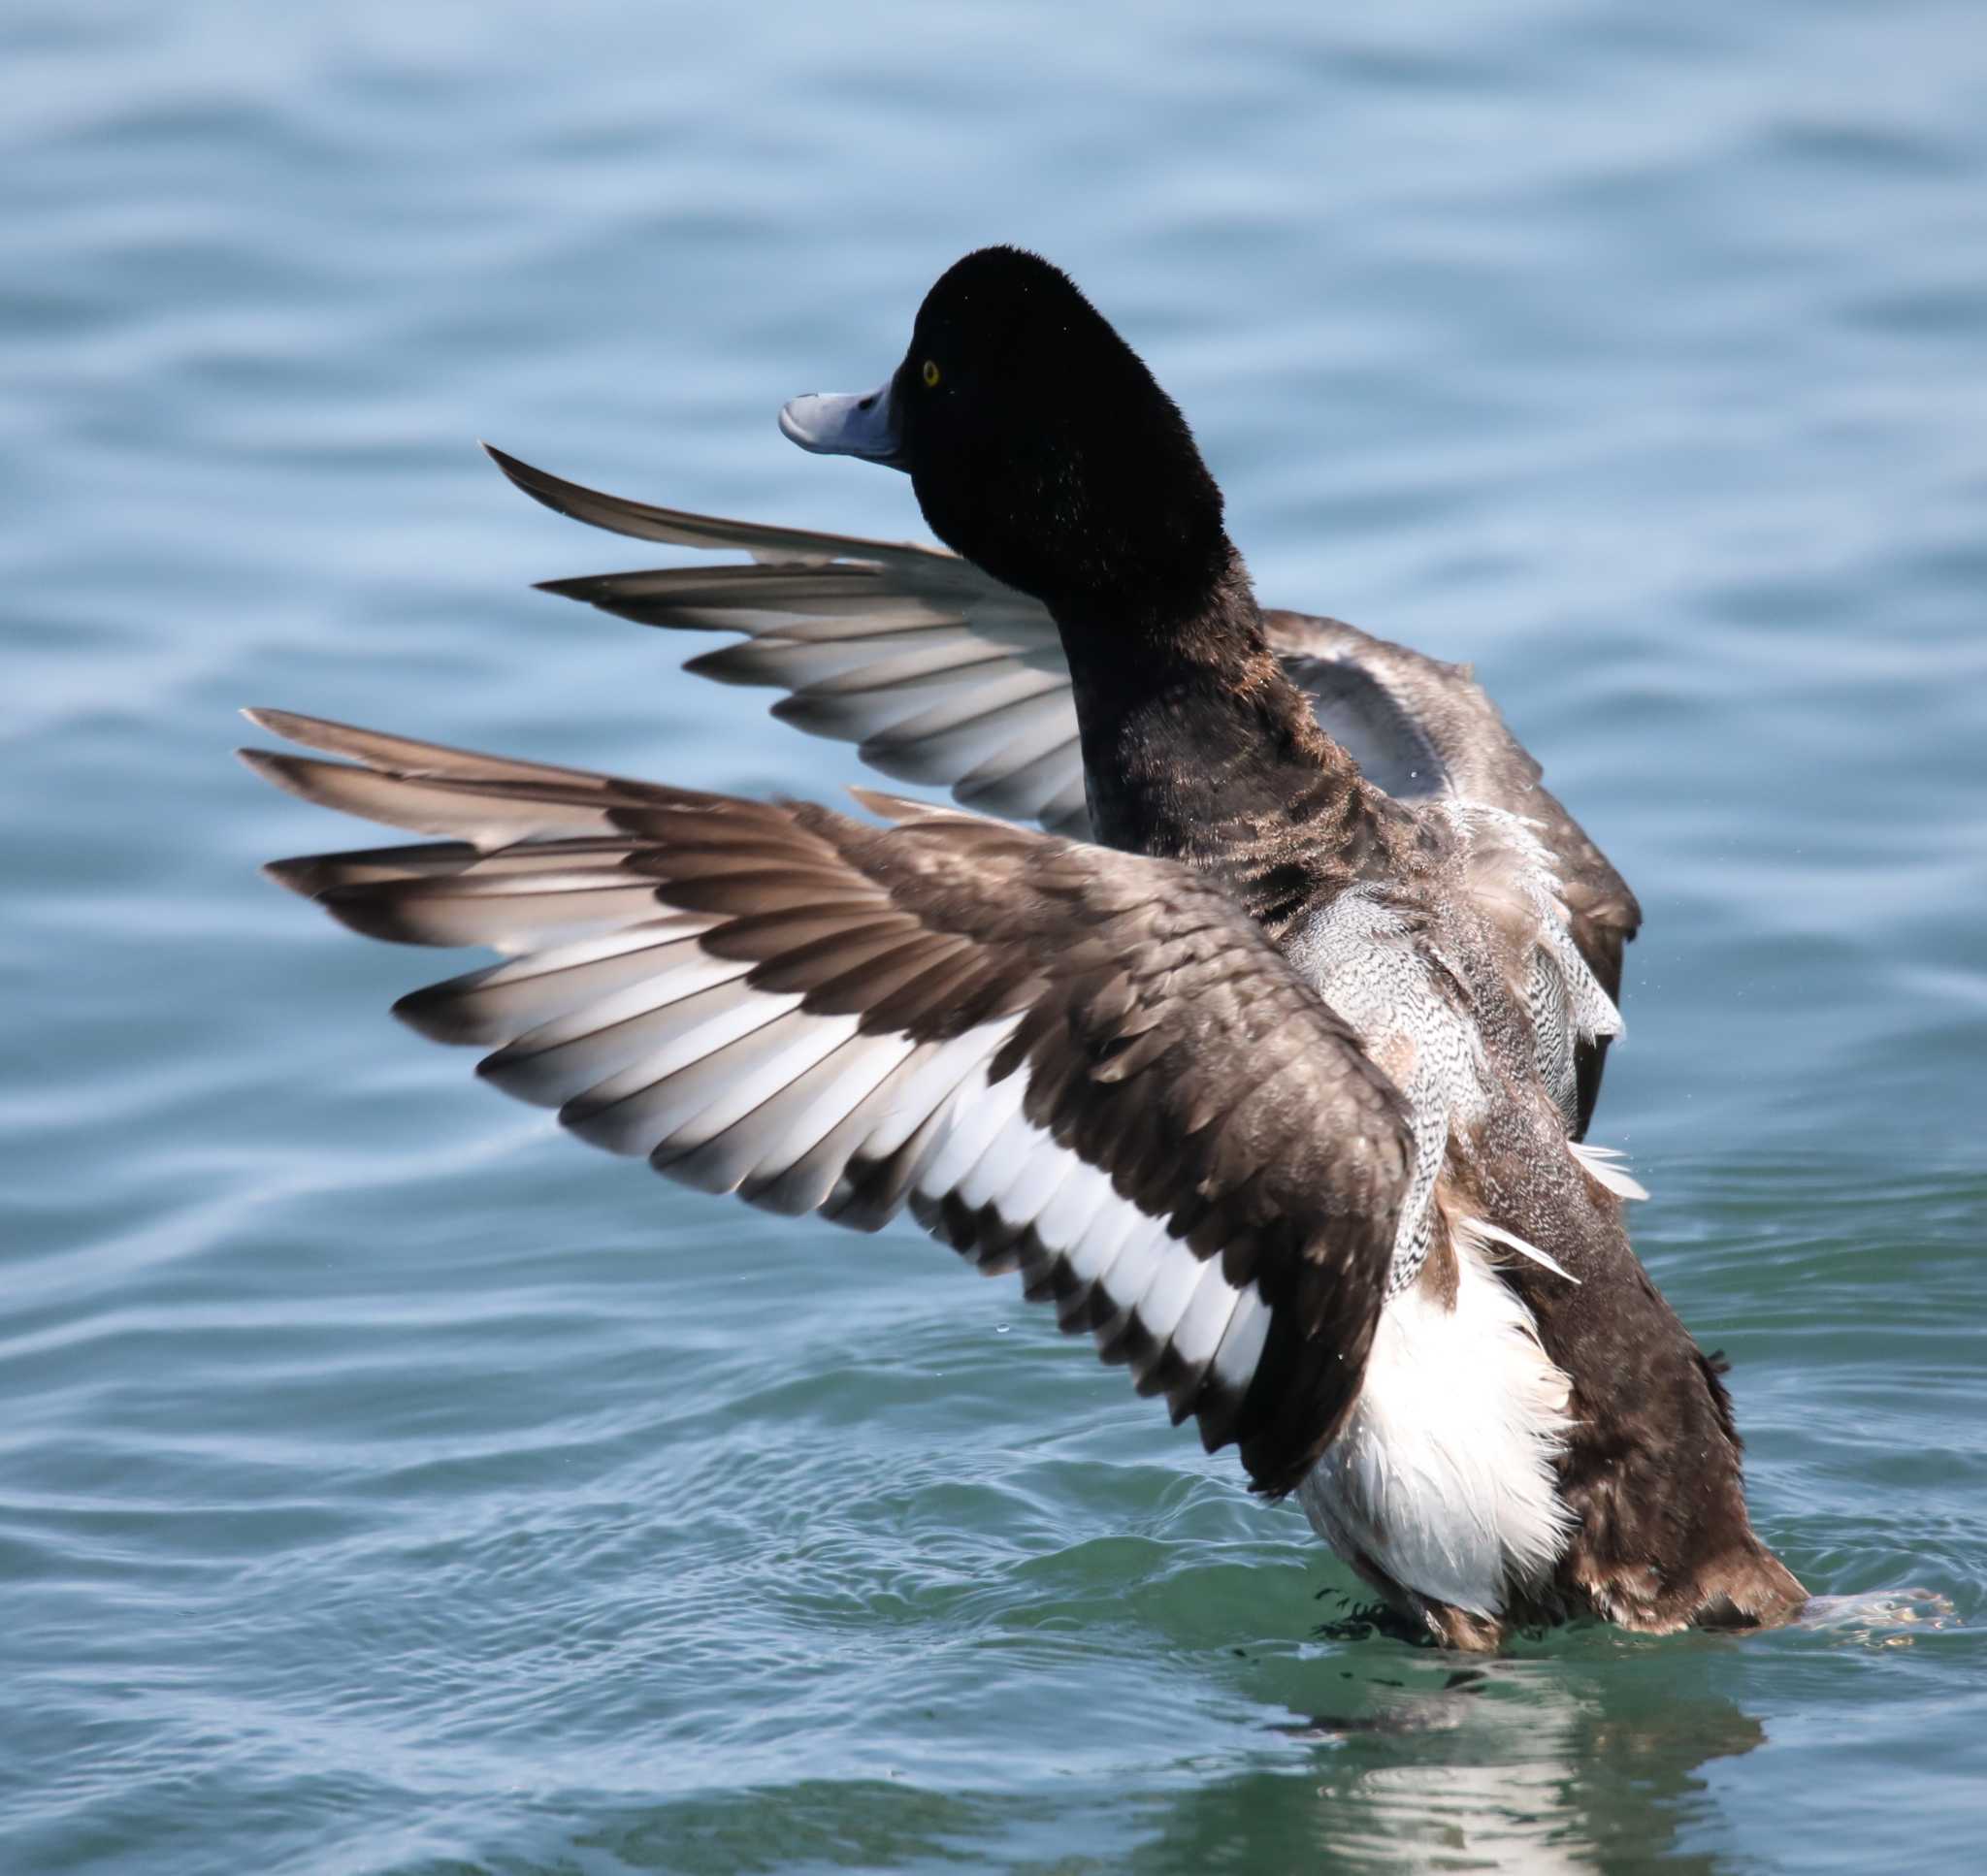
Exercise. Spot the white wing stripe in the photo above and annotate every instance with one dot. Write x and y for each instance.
(1198, 1331)
(1103, 1239)
(1131, 1267)
(906, 1099)
(579, 1050)
(1098, 1249)
(801, 1116)
(1069, 1216)
(1035, 784)
(960, 1060)
(1045, 1170)
(496, 1004)
(771, 1137)
(1173, 1283)
(776, 1058)
(534, 916)
(979, 1113)
(975, 703)
(905, 662)
(926, 749)
(1241, 1343)
(622, 1112)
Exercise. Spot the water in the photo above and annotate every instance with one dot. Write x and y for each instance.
(387, 1484)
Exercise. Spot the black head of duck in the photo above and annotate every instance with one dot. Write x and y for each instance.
(1039, 446)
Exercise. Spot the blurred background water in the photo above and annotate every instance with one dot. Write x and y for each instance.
(388, 1484)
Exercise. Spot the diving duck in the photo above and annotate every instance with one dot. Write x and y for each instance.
(1265, 1055)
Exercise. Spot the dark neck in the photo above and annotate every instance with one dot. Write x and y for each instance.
(1197, 747)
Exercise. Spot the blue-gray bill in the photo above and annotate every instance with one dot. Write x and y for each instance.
(845, 423)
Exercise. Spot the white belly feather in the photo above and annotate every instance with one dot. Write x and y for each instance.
(1442, 1476)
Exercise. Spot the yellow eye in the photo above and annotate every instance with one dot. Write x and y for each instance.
(931, 375)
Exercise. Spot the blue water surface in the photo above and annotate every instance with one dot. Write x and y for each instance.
(386, 1483)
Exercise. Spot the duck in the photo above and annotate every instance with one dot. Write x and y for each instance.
(1248, 999)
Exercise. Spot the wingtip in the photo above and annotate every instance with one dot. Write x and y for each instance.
(903, 811)
(306, 777)
(435, 1011)
(534, 482)
(891, 807)
(278, 723)
(312, 733)
(298, 875)
(275, 767)
(544, 488)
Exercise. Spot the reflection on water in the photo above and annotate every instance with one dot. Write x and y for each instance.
(1590, 1757)
(1528, 1766)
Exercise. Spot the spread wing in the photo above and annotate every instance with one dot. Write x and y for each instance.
(937, 674)
(1419, 728)
(1084, 1065)
(942, 675)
